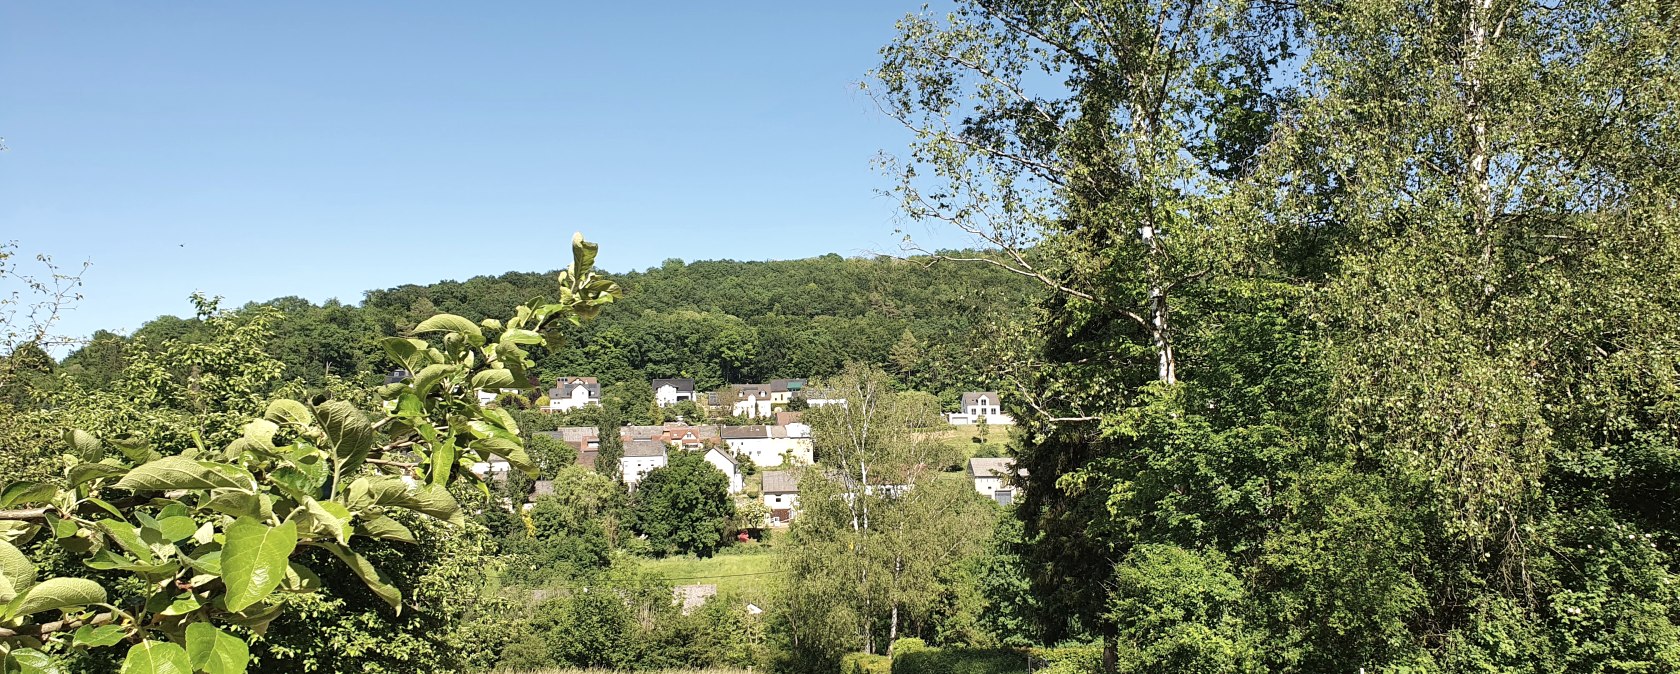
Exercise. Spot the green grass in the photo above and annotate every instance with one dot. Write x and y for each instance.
(744, 570)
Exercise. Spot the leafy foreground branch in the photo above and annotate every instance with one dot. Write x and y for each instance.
(201, 539)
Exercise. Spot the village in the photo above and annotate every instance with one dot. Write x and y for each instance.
(763, 460)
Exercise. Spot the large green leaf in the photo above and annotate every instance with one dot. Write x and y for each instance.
(254, 560)
(349, 434)
(384, 527)
(82, 473)
(30, 661)
(89, 636)
(429, 376)
(375, 579)
(493, 380)
(285, 411)
(84, 445)
(129, 538)
(449, 323)
(385, 490)
(176, 472)
(156, 657)
(583, 254)
(213, 651)
(507, 449)
(56, 593)
(241, 504)
(411, 353)
(18, 571)
(22, 493)
(323, 518)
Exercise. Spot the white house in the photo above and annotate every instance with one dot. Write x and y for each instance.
(993, 478)
(725, 462)
(781, 495)
(767, 445)
(571, 393)
(981, 406)
(668, 392)
(640, 458)
(752, 401)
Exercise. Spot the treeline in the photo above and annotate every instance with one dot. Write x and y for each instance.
(717, 322)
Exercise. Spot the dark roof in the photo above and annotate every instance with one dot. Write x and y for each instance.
(781, 482)
(396, 376)
(586, 457)
(644, 448)
(780, 385)
(571, 434)
(563, 387)
(678, 384)
(743, 432)
(991, 467)
(971, 399)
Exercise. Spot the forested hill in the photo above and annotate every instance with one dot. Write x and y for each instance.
(717, 321)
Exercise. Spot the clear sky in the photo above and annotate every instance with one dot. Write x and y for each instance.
(319, 149)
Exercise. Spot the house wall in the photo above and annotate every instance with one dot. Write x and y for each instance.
(728, 468)
(668, 395)
(578, 398)
(753, 407)
(767, 452)
(780, 500)
(637, 467)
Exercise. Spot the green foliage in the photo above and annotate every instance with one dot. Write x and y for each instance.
(684, 507)
(205, 526)
(958, 661)
(865, 663)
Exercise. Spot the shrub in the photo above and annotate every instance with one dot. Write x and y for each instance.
(865, 663)
(907, 645)
(1066, 660)
(959, 661)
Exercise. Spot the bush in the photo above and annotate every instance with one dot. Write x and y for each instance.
(958, 661)
(1066, 660)
(907, 645)
(865, 663)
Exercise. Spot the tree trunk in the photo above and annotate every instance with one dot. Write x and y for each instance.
(1111, 652)
(1160, 328)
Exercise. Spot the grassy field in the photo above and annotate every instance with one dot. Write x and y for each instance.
(747, 571)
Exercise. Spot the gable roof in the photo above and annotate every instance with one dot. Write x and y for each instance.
(396, 376)
(743, 432)
(571, 434)
(644, 448)
(564, 386)
(991, 467)
(678, 384)
(784, 385)
(971, 399)
(784, 418)
(727, 456)
(780, 482)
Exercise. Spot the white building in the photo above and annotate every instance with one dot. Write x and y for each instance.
(640, 458)
(668, 392)
(993, 478)
(767, 445)
(571, 393)
(781, 495)
(725, 462)
(981, 406)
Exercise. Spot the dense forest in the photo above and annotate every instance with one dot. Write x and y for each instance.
(1339, 336)
(716, 322)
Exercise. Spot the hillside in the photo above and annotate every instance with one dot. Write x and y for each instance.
(720, 321)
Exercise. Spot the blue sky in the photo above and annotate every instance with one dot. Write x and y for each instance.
(256, 150)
